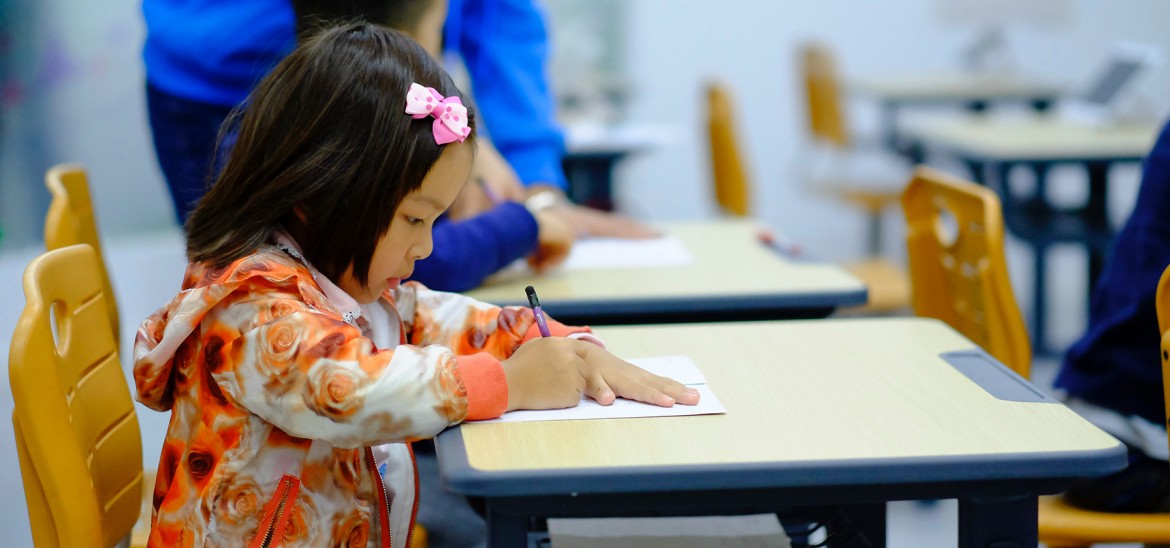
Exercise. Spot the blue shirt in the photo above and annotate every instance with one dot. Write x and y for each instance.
(214, 51)
(1117, 364)
(517, 107)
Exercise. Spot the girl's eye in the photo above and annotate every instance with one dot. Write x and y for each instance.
(415, 221)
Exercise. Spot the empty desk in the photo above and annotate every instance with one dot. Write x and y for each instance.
(973, 91)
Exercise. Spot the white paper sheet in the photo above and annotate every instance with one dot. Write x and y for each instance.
(598, 253)
(679, 368)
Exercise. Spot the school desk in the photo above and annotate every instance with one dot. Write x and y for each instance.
(973, 91)
(846, 414)
(593, 151)
(733, 277)
(992, 147)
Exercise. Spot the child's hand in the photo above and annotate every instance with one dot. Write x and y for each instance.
(553, 372)
(555, 237)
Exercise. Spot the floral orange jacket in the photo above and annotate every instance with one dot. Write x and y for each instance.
(276, 400)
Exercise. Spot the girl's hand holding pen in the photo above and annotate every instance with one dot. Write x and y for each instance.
(553, 373)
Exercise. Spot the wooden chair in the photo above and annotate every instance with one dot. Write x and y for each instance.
(958, 272)
(70, 220)
(828, 130)
(77, 435)
(959, 275)
(888, 286)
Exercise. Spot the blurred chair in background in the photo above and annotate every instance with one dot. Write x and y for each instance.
(77, 435)
(731, 186)
(959, 275)
(888, 286)
(70, 220)
(834, 151)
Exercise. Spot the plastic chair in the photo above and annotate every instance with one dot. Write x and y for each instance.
(889, 288)
(77, 433)
(959, 275)
(1064, 526)
(827, 130)
(70, 220)
(958, 272)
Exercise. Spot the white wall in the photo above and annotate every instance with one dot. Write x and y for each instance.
(75, 94)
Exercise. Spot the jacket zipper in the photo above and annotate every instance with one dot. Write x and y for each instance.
(384, 515)
(413, 510)
(275, 512)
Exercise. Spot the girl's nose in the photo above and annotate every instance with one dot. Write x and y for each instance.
(422, 249)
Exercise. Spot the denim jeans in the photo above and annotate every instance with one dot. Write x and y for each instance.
(185, 134)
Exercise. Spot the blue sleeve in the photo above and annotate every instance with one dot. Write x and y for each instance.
(1116, 363)
(504, 45)
(467, 252)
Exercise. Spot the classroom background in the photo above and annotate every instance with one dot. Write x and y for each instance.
(72, 90)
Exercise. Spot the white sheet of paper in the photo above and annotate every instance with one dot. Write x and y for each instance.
(597, 253)
(679, 368)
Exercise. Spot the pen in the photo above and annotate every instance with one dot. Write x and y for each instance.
(781, 244)
(534, 302)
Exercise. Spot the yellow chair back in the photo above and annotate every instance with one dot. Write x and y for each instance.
(77, 433)
(727, 169)
(958, 272)
(1162, 300)
(1064, 526)
(826, 118)
(70, 220)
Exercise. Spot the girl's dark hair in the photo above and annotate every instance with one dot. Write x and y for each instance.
(326, 151)
(403, 15)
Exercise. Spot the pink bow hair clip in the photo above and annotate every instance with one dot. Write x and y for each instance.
(449, 113)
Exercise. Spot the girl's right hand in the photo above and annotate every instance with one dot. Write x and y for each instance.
(555, 238)
(553, 373)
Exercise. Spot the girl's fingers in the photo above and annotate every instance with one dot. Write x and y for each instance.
(599, 390)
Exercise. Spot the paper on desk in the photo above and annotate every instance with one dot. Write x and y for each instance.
(597, 253)
(679, 368)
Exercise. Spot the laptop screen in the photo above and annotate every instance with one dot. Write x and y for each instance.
(1112, 79)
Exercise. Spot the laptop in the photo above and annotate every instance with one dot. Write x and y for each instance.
(1096, 103)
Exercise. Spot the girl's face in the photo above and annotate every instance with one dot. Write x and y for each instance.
(409, 236)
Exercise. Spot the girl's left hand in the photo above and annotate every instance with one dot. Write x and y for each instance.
(608, 377)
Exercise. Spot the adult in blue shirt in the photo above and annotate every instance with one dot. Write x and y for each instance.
(203, 57)
(1112, 376)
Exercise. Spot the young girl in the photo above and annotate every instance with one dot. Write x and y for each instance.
(293, 363)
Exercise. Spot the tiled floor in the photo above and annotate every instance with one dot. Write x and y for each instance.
(146, 271)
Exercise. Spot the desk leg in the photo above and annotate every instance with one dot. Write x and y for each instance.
(1038, 202)
(504, 530)
(1097, 213)
(998, 522)
(866, 526)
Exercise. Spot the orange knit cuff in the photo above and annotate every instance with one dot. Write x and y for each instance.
(487, 387)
